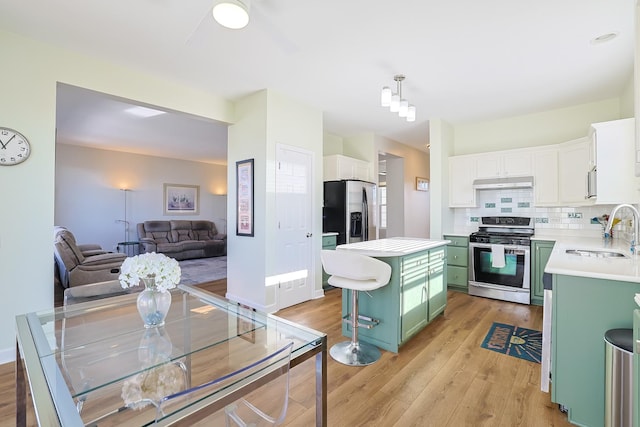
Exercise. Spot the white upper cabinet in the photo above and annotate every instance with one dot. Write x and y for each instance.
(337, 167)
(573, 166)
(615, 152)
(560, 172)
(462, 172)
(545, 177)
(504, 164)
(592, 151)
(636, 96)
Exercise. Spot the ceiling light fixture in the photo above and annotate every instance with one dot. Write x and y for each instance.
(395, 101)
(144, 111)
(232, 14)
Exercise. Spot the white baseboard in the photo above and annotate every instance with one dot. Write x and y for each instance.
(7, 355)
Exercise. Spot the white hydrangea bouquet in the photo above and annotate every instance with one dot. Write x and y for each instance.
(165, 271)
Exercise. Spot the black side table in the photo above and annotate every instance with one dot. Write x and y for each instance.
(129, 248)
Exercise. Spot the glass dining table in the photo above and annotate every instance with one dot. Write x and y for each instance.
(94, 363)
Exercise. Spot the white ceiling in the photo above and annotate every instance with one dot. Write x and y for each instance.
(464, 60)
(89, 118)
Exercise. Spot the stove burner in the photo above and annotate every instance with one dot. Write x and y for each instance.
(504, 230)
(500, 239)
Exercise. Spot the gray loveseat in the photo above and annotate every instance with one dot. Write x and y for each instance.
(182, 239)
(81, 264)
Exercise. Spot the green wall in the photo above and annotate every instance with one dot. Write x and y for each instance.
(531, 130)
(28, 104)
(265, 119)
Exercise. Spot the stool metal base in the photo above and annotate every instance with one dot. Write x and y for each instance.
(355, 354)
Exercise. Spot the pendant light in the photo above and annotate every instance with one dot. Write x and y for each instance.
(395, 101)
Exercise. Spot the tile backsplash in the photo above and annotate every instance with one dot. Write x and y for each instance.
(519, 202)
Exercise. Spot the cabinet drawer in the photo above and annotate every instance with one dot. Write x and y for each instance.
(457, 275)
(413, 263)
(458, 256)
(457, 240)
(329, 242)
(436, 255)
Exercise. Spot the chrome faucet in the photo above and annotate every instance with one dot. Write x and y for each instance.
(636, 225)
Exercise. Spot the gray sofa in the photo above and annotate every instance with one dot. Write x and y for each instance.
(182, 239)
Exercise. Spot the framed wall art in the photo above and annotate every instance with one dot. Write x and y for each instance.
(181, 199)
(422, 184)
(244, 198)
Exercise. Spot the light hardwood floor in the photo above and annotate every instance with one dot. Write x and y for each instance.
(441, 377)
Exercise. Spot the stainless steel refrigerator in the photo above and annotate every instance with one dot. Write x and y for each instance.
(350, 210)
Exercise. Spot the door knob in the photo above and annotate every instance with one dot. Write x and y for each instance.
(309, 234)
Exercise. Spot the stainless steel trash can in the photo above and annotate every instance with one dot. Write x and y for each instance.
(618, 411)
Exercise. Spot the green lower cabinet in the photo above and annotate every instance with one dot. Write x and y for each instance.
(380, 304)
(458, 278)
(415, 295)
(636, 368)
(457, 263)
(540, 253)
(584, 309)
(437, 283)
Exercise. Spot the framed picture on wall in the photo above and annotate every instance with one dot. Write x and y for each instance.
(180, 199)
(244, 197)
(422, 184)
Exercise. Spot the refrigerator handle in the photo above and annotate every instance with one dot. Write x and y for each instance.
(365, 216)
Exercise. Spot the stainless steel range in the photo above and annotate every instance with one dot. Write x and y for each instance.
(499, 254)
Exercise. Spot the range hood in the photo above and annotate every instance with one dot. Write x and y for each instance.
(497, 183)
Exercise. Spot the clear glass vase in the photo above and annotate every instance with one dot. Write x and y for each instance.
(153, 304)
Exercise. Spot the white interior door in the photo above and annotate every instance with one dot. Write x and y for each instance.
(294, 232)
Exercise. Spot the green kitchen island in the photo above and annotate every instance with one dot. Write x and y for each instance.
(415, 295)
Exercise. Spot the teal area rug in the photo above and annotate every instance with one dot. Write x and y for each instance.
(201, 270)
(514, 341)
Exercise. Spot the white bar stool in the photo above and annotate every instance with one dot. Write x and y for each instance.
(357, 273)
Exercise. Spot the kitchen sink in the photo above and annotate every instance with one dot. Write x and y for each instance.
(596, 253)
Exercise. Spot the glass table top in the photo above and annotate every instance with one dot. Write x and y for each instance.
(106, 368)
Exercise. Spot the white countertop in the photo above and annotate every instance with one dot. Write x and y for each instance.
(393, 246)
(622, 269)
(459, 233)
(332, 233)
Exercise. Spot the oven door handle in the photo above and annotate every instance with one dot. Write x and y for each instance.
(508, 249)
(498, 287)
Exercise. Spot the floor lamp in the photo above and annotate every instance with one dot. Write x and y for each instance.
(125, 221)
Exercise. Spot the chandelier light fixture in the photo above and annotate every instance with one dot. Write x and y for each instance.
(395, 101)
(232, 14)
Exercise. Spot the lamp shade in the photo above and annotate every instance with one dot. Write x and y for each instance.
(385, 96)
(404, 108)
(411, 113)
(232, 14)
(394, 107)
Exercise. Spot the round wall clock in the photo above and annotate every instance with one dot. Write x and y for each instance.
(14, 147)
